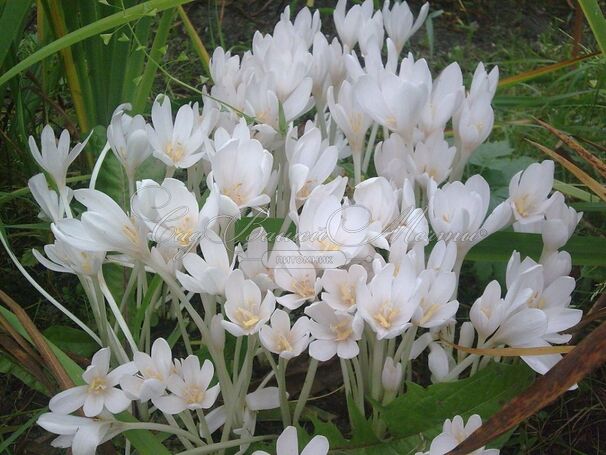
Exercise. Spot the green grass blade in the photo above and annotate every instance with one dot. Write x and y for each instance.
(146, 82)
(596, 20)
(11, 24)
(107, 23)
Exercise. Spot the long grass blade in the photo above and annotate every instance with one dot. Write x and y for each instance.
(538, 72)
(593, 160)
(588, 355)
(591, 183)
(196, 41)
(513, 352)
(106, 23)
(596, 20)
(11, 24)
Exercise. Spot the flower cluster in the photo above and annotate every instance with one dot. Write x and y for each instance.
(339, 258)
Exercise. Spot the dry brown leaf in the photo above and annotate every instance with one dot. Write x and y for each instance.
(588, 355)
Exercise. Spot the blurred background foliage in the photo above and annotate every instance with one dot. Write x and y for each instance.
(69, 63)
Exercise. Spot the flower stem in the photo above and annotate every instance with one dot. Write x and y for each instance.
(309, 380)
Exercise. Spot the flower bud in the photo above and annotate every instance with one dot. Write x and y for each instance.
(217, 332)
(392, 375)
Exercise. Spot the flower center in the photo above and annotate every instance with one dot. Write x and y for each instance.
(386, 315)
(342, 330)
(131, 233)
(304, 288)
(152, 373)
(193, 394)
(175, 152)
(428, 311)
(283, 343)
(246, 318)
(236, 194)
(97, 385)
(522, 205)
(347, 295)
(305, 191)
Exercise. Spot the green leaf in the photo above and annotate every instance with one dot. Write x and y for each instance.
(8, 366)
(596, 20)
(140, 315)
(11, 23)
(499, 246)
(106, 37)
(423, 410)
(71, 340)
(272, 226)
(96, 28)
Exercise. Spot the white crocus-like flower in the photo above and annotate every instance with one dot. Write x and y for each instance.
(432, 159)
(391, 376)
(400, 23)
(379, 98)
(349, 116)
(172, 214)
(295, 273)
(103, 227)
(255, 259)
(327, 227)
(529, 191)
(209, 274)
(100, 391)
(458, 211)
(154, 371)
(310, 162)
(189, 388)
(55, 156)
(241, 185)
(51, 205)
(381, 200)
(454, 432)
(245, 309)
(283, 340)
(348, 23)
(128, 139)
(288, 444)
(64, 258)
(81, 434)
(435, 307)
(386, 303)
(176, 144)
(392, 160)
(340, 286)
(335, 332)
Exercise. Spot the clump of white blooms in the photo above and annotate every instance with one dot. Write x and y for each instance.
(337, 261)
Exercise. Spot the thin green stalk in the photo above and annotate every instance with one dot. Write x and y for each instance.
(211, 448)
(309, 380)
(596, 20)
(281, 378)
(195, 40)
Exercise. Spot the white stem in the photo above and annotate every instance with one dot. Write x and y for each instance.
(98, 164)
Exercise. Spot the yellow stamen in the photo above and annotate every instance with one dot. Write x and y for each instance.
(342, 330)
(97, 385)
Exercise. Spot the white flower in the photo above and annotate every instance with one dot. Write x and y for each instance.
(128, 140)
(100, 391)
(386, 303)
(381, 200)
(310, 161)
(190, 388)
(349, 116)
(529, 191)
(330, 228)
(434, 293)
(154, 372)
(64, 258)
(209, 274)
(340, 286)
(283, 340)
(81, 434)
(454, 432)
(179, 144)
(244, 307)
(52, 206)
(432, 159)
(380, 98)
(457, 212)
(334, 332)
(55, 156)
(172, 214)
(392, 160)
(254, 260)
(294, 274)
(288, 444)
(348, 24)
(241, 169)
(399, 22)
(391, 376)
(103, 227)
